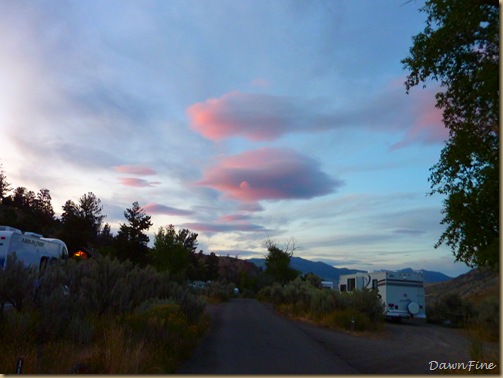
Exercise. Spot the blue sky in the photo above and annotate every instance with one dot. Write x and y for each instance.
(240, 120)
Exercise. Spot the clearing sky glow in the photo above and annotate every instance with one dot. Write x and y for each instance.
(240, 120)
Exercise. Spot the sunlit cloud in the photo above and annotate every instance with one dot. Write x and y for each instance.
(253, 116)
(156, 208)
(138, 183)
(234, 217)
(427, 127)
(269, 174)
(260, 83)
(264, 117)
(135, 170)
(215, 227)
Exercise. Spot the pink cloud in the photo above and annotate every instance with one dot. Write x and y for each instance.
(135, 170)
(268, 174)
(260, 83)
(155, 208)
(427, 126)
(234, 217)
(138, 183)
(252, 116)
(224, 227)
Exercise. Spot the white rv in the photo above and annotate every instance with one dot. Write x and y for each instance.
(327, 285)
(31, 248)
(402, 293)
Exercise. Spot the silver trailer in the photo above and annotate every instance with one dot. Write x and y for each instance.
(402, 293)
(29, 247)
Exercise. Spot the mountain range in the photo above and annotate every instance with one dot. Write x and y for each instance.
(330, 273)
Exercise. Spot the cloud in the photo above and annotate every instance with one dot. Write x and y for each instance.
(409, 232)
(269, 174)
(260, 83)
(235, 217)
(138, 183)
(263, 117)
(155, 208)
(253, 116)
(427, 127)
(215, 227)
(135, 170)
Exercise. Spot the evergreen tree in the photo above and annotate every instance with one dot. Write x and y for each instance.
(131, 241)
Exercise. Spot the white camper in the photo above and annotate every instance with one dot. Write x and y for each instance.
(401, 292)
(327, 285)
(31, 248)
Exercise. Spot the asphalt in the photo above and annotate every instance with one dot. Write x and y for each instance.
(248, 337)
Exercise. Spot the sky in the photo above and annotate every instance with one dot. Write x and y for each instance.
(239, 120)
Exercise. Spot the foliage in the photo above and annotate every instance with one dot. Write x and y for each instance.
(278, 262)
(452, 310)
(219, 291)
(131, 240)
(459, 47)
(172, 250)
(17, 283)
(100, 316)
(5, 186)
(81, 222)
(360, 310)
(313, 280)
(34, 210)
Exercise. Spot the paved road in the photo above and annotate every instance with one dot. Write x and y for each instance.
(248, 337)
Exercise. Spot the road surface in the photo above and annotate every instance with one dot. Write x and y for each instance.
(248, 337)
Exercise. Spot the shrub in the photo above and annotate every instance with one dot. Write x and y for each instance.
(322, 302)
(367, 302)
(487, 322)
(105, 316)
(451, 310)
(17, 283)
(327, 307)
(219, 291)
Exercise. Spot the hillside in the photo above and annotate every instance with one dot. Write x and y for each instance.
(473, 285)
(330, 273)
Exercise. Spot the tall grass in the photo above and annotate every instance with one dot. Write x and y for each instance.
(357, 311)
(143, 323)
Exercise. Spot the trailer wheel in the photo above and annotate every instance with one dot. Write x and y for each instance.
(413, 308)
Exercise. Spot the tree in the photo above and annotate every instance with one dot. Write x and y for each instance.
(172, 251)
(4, 185)
(278, 262)
(131, 239)
(81, 223)
(459, 48)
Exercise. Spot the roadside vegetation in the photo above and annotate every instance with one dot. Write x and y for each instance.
(98, 316)
(302, 296)
(472, 303)
(358, 311)
(116, 305)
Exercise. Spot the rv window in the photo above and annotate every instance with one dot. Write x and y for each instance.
(351, 284)
(343, 287)
(374, 284)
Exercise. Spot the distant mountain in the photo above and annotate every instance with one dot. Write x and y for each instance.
(476, 283)
(429, 276)
(325, 271)
(329, 273)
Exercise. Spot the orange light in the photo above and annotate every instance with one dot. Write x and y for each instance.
(80, 254)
